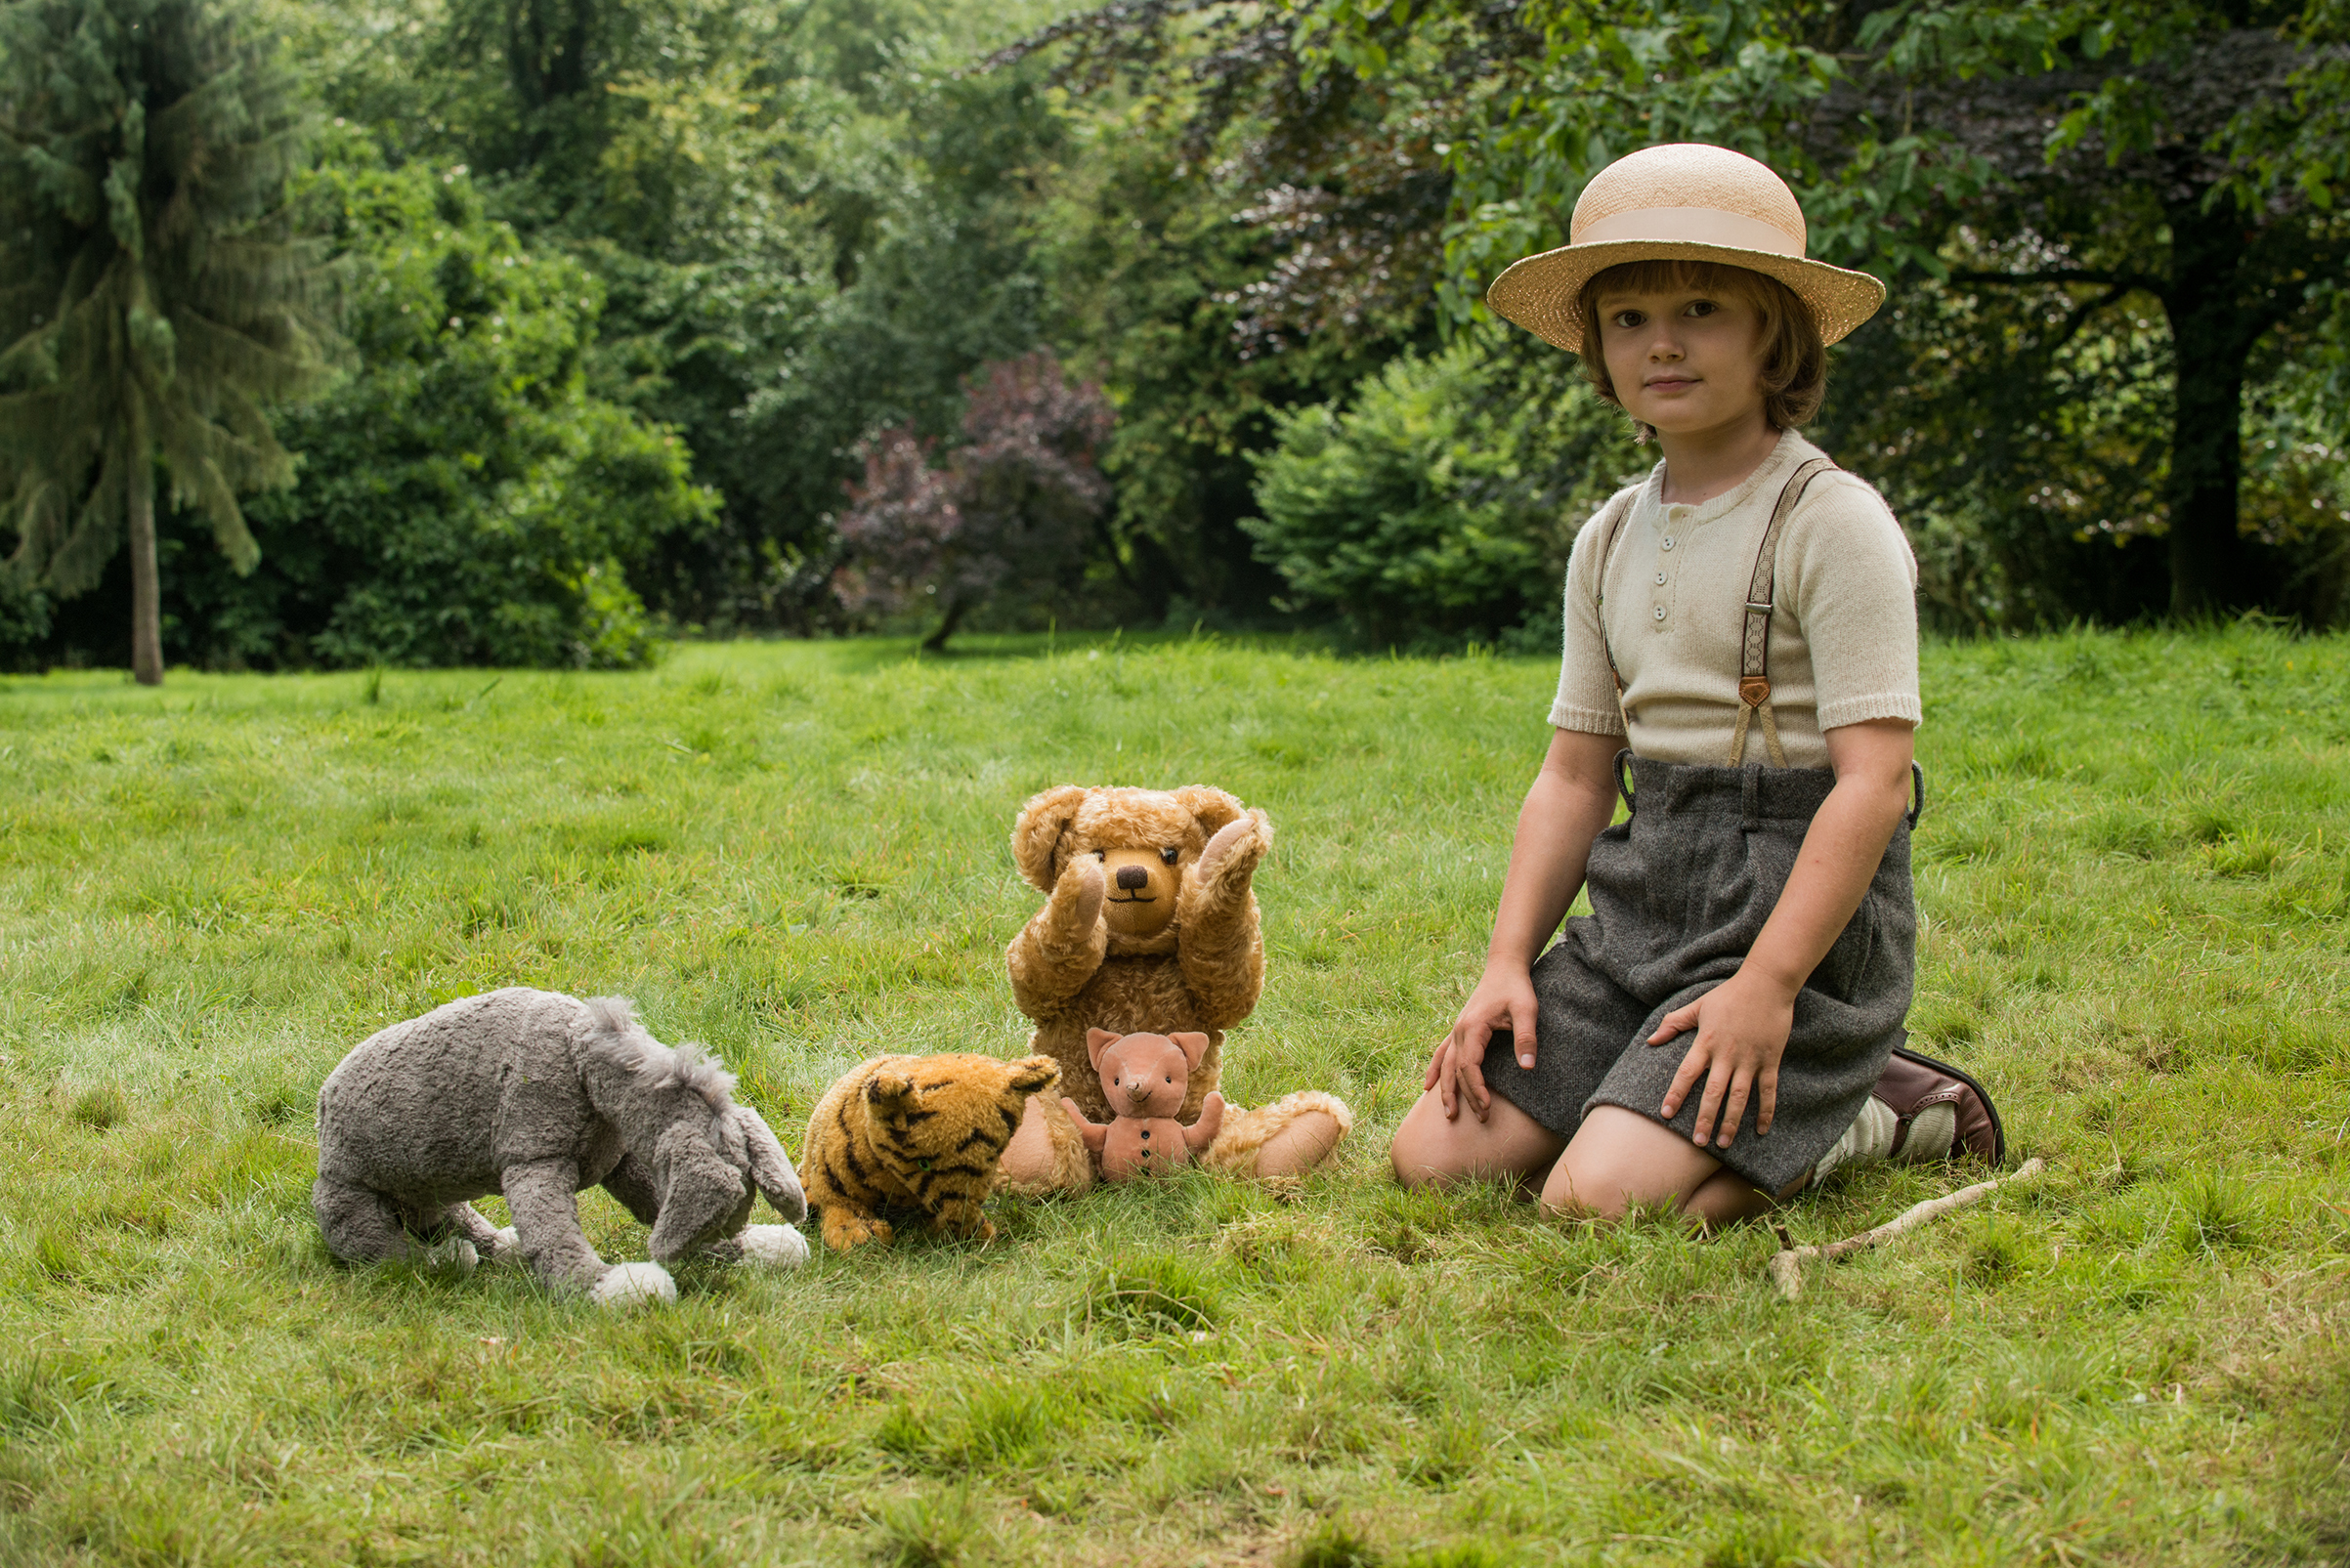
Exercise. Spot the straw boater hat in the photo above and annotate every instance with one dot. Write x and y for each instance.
(1685, 201)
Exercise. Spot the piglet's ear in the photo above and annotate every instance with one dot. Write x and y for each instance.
(1098, 1041)
(1038, 833)
(1194, 1046)
(1034, 1074)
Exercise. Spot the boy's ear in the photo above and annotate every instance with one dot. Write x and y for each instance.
(1098, 1041)
(1038, 832)
(1194, 1046)
(1211, 807)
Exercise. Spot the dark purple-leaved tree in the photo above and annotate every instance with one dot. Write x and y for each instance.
(1011, 515)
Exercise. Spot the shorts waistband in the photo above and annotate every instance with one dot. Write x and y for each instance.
(1752, 793)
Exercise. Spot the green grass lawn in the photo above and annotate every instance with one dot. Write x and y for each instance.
(2136, 880)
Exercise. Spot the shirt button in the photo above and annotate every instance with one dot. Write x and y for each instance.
(1660, 579)
(1660, 611)
(1668, 544)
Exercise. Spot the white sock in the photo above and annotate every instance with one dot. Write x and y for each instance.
(1867, 1141)
(1930, 1133)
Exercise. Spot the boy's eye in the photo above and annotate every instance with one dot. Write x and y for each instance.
(1701, 307)
(1167, 855)
(1628, 318)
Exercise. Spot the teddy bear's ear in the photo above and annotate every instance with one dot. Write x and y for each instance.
(1213, 807)
(1098, 1041)
(1034, 837)
(1194, 1044)
(1033, 1074)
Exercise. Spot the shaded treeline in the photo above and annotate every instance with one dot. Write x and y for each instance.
(640, 298)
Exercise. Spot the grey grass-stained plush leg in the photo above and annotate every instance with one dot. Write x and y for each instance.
(360, 1226)
(546, 1216)
(491, 1244)
(632, 1182)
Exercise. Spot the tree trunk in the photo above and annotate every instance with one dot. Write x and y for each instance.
(936, 642)
(146, 598)
(2211, 567)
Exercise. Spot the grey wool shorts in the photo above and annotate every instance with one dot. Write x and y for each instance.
(1679, 892)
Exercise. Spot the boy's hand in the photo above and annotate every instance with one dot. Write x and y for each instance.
(1741, 1026)
(1504, 1000)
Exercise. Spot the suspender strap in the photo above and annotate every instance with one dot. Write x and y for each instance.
(1754, 659)
(1614, 526)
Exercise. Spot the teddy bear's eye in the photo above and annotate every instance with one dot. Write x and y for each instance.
(1101, 854)
(1167, 855)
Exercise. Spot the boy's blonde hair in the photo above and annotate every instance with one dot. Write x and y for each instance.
(1795, 363)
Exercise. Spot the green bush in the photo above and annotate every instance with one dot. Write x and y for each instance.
(465, 497)
(1441, 507)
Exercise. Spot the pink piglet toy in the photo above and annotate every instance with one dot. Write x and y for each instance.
(1145, 1077)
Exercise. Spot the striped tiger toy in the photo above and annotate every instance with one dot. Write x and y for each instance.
(918, 1132)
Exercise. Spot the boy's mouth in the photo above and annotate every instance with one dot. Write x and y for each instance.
(1669, 383)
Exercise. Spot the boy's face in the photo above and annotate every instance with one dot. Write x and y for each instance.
(1684, 362)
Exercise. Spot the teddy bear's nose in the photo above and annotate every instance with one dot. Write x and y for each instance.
(1133, 877)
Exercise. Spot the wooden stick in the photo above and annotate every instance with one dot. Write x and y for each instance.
(1786, 1264)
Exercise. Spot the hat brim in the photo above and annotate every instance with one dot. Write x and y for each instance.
(1540, 292)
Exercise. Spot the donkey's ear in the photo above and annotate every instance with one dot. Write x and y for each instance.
(1034, 1074)
(1098, 1041)
(1038, 833)
(700, 1194)
(1194, 1046)
(1213, 808)
(770, 1166)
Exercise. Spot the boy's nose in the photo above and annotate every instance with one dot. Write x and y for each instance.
(1133, 877)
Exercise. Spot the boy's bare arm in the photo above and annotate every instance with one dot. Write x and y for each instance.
(1742, 1024)
(1571, 800)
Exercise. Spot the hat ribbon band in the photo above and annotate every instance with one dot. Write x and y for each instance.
(1690, 225)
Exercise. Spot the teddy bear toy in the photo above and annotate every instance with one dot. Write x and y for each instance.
(1145, 1078)
(1150, 925)
(541, 1096)
(919, 1133)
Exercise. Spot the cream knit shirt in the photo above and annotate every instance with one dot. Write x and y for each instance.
(1843, 637)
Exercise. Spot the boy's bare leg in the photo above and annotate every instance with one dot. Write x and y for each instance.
(1620, 1159)
(1432, 1147)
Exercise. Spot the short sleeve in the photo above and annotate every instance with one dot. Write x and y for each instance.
(1587, 696)
(1856, 598)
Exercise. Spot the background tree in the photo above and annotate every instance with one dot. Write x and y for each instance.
(1012, 517)
(157, 298)
(2152, 190)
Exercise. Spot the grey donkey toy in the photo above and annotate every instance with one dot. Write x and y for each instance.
(541, 1096)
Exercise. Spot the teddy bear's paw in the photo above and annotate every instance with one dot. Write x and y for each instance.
(456, 1254)
(510, 1247)
(1235, 850)
(633, 1284)
(773, 1245)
